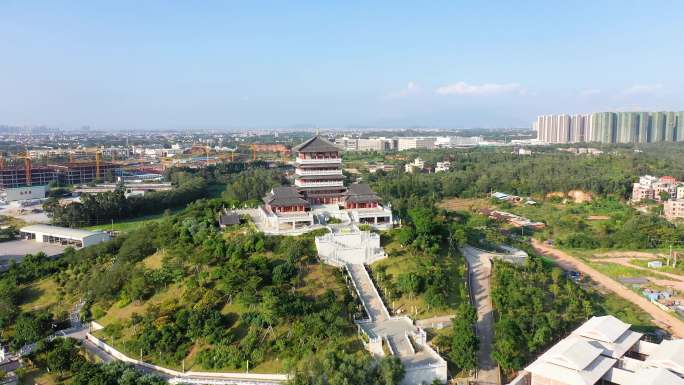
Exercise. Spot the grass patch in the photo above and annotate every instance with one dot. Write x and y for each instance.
(128, 224)
(464, 204)
(402, 261)
(626, 311)
(679, 270)
(35, 376)
(42, 295)
(118, 314)
(616, 271)
(154, 261)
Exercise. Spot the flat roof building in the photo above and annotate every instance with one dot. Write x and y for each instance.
(63, 235)
(605, 351)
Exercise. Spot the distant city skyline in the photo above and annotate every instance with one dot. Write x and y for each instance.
(269, 64)
(611, 127)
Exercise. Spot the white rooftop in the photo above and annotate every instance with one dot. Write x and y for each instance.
(573, 361)
(59, 231)
(654, 376)
(574, 353)
(605, 328)
(670, 355)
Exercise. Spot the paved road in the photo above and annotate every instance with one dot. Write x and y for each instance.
(568, 262)
(480, 268)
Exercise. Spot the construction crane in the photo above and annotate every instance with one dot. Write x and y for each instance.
(27, 169)
(98, 161)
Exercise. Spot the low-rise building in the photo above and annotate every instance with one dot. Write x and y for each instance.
(363, 207)
(228, 218)
(415, 143)
(605, 351)
(443, 166)
(23, 193)
(417, 165)
(650, 187)
(674, 209)
(63, 235)
(285, 209)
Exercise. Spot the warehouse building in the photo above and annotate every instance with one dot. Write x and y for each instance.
(63, 235)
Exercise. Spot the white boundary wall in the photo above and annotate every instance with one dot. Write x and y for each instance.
(235, 377)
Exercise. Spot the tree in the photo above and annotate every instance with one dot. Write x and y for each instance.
(664, 195)
(464, 341)
(391, 371)
(410, 283)
(31, 328)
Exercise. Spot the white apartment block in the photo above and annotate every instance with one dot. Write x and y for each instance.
(366, 144)
(415, 143)
(457, 141)
(605, 351)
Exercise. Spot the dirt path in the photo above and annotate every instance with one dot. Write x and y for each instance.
(676, 280)
(629, 254)
(568, 262)
(480, 268)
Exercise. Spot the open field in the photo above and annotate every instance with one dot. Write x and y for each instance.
(128, 224)
(464, 204)
(569, 262)
(39, 295)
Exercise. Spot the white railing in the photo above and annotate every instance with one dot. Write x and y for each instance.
(193, 377)
(358, 292)
(304, 172)
(319, 161)
(375, 291)
(300, 183)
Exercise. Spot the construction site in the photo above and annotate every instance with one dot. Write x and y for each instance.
(23, 171)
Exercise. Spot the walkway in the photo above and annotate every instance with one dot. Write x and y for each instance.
(367, 293)
(568, 262)
(394, 330)
(480, 268)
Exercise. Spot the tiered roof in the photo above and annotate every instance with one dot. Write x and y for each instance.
(317, 144)
(359, 193)
(285, 196)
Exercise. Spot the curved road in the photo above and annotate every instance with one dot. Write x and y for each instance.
(568, 262)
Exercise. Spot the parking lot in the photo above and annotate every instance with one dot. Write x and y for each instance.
(16, 250)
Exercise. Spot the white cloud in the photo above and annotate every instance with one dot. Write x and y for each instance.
(589, 92)
(463, 88)
(643, 88)
(410, 89)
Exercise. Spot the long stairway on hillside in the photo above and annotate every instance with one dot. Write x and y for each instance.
(367, 293)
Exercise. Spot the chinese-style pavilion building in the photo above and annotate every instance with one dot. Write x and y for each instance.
(319, 181)
(318, 173)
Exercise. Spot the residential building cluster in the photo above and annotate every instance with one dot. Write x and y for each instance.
(611, 127)
(605, 351)
(667, 190)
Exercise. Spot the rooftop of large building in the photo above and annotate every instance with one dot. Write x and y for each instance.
(285, 196)
(598, 350)
(59, 231)
(317, 144)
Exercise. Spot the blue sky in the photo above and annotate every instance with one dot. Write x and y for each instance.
(231, 64)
